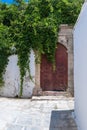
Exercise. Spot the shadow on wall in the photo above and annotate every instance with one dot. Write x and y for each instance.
(62, 120)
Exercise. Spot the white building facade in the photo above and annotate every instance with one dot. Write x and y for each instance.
(80, 68)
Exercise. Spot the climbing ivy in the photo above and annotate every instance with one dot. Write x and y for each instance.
(33, 25)
(4, 51)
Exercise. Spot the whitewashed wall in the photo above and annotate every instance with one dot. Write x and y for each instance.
(80, 68)
(11, 87)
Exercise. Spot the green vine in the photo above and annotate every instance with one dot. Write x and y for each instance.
(23, 62)
(4, 52)
(33, 26)
(4, 62)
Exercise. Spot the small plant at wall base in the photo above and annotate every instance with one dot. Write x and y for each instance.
(33, 25)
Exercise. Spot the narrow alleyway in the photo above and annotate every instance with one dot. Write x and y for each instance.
(38, 113)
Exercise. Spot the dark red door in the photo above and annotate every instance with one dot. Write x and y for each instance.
(55, 80)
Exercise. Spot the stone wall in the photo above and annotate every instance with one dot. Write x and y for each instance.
(65, 37)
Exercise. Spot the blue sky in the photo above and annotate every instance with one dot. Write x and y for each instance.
(7, 1)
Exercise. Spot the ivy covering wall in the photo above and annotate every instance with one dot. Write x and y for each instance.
(32, 25)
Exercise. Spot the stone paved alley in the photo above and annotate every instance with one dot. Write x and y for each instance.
(38, 113)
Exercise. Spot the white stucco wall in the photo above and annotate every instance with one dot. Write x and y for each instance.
(80, 68)
(11, 87)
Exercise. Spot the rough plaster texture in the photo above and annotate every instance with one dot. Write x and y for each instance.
(11, 87)
(80, 71)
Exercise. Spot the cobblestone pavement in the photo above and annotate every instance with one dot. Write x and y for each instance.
(38, 113)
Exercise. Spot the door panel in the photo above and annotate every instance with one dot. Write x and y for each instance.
(55, 80)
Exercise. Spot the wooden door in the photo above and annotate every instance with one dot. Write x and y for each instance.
(55, 80)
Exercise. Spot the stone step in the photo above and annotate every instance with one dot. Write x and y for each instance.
(56, 93)
(51, 98)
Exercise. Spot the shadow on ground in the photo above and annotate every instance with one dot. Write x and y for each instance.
(62, 120)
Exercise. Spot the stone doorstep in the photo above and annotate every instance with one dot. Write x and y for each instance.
(51, 98)
(51, 95)
(56, 93)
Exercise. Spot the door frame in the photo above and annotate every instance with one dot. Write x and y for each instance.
(65, 37)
